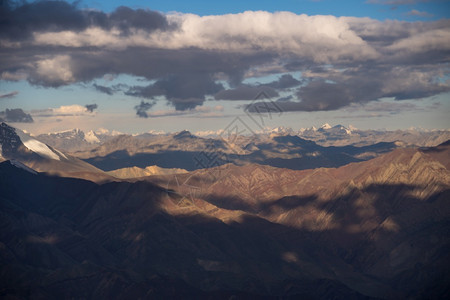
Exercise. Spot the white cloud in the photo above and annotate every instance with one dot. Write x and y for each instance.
(14, 76)
(417, 13)
(321, 38)
(56, 69)
(70, 110)
(421, 42)
(63, 111)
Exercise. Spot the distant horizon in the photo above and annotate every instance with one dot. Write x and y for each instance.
(204, 133)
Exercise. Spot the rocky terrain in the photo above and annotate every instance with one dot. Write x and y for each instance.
(327, 146)
(376, 229)
(186, 151)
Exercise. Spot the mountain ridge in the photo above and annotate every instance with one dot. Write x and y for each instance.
(372, 229)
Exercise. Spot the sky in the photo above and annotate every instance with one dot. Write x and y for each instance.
(139, 66)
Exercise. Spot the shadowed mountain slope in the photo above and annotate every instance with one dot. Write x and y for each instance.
(189, 152)
(375, 229)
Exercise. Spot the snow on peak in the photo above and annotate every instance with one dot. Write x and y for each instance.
(36, 146)
(209, 133)
(104, 131)
(91, 138)
(326, 126)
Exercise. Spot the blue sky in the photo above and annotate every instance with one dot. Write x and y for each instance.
(355, 8)
(386, 66)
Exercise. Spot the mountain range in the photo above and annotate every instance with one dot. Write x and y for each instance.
(373, 229)
(75, 140)
(187, 151)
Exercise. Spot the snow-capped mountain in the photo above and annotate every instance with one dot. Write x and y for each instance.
(340, 135)
(76, 139)
(325, 126)
(24, 150)
(15, 142)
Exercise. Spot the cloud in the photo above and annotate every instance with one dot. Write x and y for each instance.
(320, 38)
(142, 108)
(103, 89)
(246, 92)
(184, 91)
(188, 57)
(111, 90)
(284, 82)
(9, 95)
(22, 21)
(416, 13)
(383, 106)
(15, 115)
(198, 112)
(63, 111)
(54, 71)
(91, 107)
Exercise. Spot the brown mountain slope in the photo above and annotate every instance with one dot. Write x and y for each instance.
(256, 185)
(386, 218)
(377, 229)
(136, 172)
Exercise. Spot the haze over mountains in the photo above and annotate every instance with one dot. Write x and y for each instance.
(76, 140)
(372, 229)
(280, 147)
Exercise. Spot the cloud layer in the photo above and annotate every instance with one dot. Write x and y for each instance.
(188, 57)
(15, 115)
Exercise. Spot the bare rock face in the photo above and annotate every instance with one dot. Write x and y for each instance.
(367, 230)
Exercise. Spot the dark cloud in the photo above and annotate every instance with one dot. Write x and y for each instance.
(111, 90)
(318, 95)
(186, 103)
(91, 107)
(103, 89)
(142, 108)
(284, 82)
(15, 115)
(246, 92)
(19, 19)
(125, 18)
(336, 89)
(287, 98)
(9, 95)
(182, 91)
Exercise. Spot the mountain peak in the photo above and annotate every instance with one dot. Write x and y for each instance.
(325, 126)
(9, 140)
(182, 134)
(12, 138)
